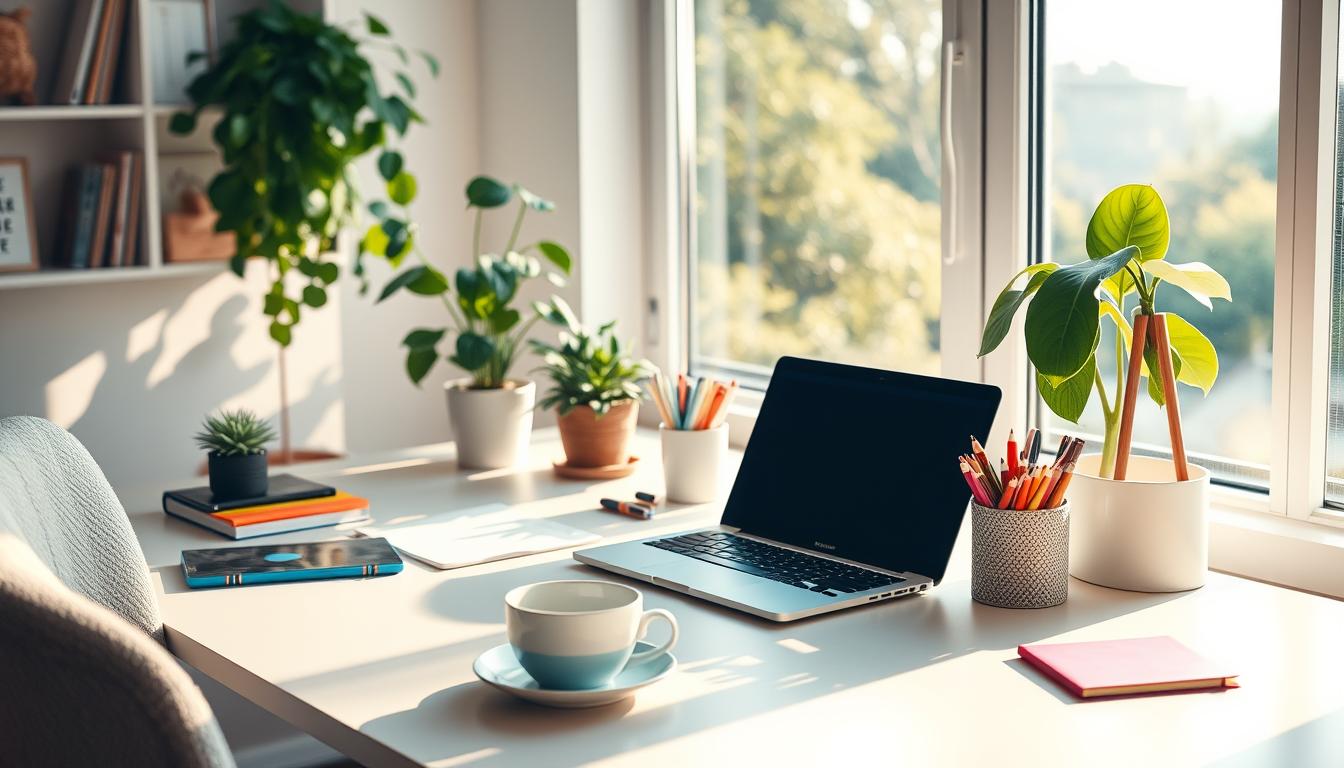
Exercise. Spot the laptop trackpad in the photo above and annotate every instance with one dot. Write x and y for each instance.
(692, 576)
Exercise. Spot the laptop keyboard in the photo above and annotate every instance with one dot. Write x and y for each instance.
(768, 561)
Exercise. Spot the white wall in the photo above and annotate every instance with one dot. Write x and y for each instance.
(137, 365)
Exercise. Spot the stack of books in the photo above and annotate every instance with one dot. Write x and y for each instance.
(292, 504)
(102, 212)
(95, 36)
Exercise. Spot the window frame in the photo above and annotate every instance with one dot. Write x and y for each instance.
(992, 108)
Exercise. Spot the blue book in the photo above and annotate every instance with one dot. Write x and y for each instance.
(87, 183)
(237, 566)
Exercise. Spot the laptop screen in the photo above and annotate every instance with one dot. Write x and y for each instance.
(861, 464)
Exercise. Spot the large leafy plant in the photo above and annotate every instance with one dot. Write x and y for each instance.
(590, 368)
(1127, 243)
(300, 104)
(488, 329)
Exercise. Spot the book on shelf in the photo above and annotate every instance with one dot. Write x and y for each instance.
(262, 517)
(83, 185)
(82, 33)
(95, 39)
(102, 212)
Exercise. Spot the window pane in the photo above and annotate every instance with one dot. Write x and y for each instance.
(817, 177)
(1190, 107)
(1334, 447)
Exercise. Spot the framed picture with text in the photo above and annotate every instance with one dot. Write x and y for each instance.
(18, 234)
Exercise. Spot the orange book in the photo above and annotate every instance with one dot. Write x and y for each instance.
(265, 513)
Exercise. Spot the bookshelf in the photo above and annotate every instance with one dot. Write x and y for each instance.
(54, 138)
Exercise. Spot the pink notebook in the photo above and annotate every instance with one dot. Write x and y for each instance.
(1120, 667)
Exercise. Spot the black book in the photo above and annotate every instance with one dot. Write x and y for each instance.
(282, 488)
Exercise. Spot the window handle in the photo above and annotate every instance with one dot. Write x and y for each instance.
(952, 58)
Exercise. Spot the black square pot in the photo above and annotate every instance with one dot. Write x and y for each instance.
(238, 477)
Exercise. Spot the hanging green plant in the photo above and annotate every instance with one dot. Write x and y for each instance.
(299, 103)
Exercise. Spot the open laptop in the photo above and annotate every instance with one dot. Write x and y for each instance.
(848, 494)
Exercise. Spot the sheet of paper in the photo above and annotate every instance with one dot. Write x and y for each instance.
(476, 535)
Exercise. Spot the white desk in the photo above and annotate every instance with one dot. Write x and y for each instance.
(381, 668)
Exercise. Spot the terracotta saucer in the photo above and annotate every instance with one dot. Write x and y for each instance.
(609, 472)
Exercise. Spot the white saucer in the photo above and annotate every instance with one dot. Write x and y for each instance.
(499, 667)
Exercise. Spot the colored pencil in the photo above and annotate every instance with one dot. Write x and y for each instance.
(1012, 455)
(1039, 494)
(1057, 498)
(1023, 491)
(721, 415)
(1003, 473)
(976, 491)
(656, 391)
(682, 387)
(1009, 491)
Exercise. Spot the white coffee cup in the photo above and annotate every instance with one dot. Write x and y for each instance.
(693, 462)
(574, 635)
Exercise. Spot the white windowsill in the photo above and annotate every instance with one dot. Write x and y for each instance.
(1244, 539)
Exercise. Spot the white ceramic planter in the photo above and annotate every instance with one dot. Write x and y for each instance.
(492, 427)
(1148, 533)
(693, 462)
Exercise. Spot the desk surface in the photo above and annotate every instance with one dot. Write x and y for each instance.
(381, 668)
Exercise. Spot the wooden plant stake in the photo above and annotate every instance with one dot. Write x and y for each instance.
(1159, 331)
(1131, 396)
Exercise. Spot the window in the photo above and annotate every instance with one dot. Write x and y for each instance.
(817, 182)
(816, 193)
(1193, 110)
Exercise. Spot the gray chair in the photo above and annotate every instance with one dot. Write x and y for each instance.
(84, 677)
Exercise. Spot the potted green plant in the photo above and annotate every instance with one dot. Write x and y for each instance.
(235, 442)
(296, 103)
(491, 413)
(595, 390)
(1139, 523)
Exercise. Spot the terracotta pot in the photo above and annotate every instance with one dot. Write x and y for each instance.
(598, 441)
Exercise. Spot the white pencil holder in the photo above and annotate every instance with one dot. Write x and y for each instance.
(693, 462)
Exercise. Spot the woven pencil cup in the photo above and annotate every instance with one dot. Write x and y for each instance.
(1019, 559)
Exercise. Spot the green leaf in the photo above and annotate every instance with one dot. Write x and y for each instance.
(422, 280)
(402, 188)
(424, 337)
(375, 241)
(314, 296)
(557, 312)
(419, 360)
(1109, 310)
(430, 62)
(503, 319)
(532, 201)
(376, 25)
(1062, 322)
(1129, 215)
(327, 272)
(406, 84)
(431, 282)
(485, 192)
(556, 254)
(1195, 278)
(1006, 305)
(1198, 358)
(1154, 374)
(473, 351)
(281, 333)
(182, 123)
(389, 165)
(1069, 398)
(398, 237)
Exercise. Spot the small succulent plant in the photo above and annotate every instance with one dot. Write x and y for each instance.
(235, 433)
(590, 368)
